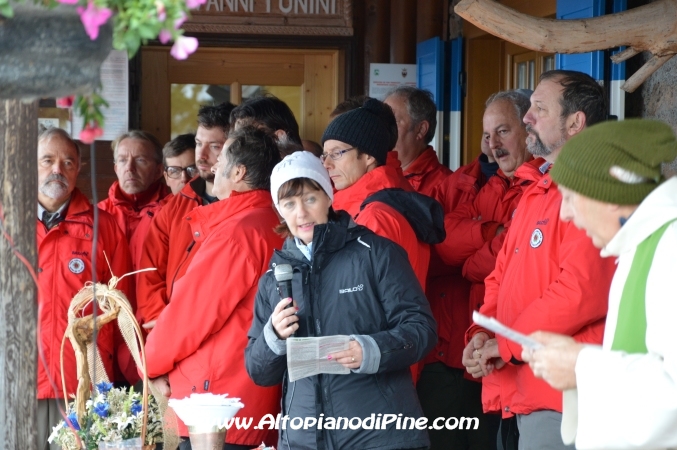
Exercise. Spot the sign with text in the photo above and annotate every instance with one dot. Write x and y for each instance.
(300, 17)
(384, 77)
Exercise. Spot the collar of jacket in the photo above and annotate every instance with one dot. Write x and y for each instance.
(150, 197)
(327, 238)
(426, 162)
(658, 208)
(531, 170)
(205, 218)
(382, 177)
(79, 211)
(194, 189)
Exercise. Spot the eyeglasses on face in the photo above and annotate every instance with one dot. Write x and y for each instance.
(335, 154)
(176, 171)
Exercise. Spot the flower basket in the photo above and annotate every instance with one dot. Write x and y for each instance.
(113, 417)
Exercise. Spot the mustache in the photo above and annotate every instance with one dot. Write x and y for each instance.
(500, 152)
(203, 161)
(56, 177)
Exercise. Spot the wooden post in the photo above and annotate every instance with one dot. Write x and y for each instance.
(430, 19)
(403, 32)
(376, 35)
(18, 293)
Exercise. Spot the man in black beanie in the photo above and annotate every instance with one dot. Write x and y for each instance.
(356, 144)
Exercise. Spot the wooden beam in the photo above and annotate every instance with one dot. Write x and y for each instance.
(18, 293)
(650, 28)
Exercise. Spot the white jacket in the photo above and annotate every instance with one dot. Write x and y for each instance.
(630, 400)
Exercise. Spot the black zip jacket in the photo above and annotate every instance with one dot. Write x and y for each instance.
(358, 284)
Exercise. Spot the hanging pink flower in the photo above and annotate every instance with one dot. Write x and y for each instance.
(178, 22)
(93, 17)
(165, 36)
(183, 47)
(192, 4)
(90, 133)
(65, 102)
(161, 12)
(68, 2)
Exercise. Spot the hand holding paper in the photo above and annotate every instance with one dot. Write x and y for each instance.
(497, 327)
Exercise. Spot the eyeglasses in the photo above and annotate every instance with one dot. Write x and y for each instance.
(335, 155)
(177, 171)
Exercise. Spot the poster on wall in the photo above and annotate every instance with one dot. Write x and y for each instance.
(384, 77)
(115, 90)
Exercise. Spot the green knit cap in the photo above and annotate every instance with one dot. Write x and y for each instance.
(616, 162)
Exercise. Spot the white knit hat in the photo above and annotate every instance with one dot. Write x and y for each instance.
(299, 164)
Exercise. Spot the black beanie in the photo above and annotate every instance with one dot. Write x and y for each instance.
(371, 128)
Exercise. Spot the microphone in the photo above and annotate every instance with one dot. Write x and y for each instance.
(283, 275)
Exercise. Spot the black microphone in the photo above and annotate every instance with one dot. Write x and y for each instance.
(283, 275)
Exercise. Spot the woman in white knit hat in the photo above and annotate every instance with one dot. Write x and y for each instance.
(346, 281)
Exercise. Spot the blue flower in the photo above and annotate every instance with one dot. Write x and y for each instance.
(72, 418)
(104, 387)
(136, 407)
(102, 409)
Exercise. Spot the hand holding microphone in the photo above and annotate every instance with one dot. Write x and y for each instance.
(284, 318)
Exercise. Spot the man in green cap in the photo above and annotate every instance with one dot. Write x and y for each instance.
(624, 393)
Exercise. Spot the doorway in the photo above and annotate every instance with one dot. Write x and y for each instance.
(311, 82)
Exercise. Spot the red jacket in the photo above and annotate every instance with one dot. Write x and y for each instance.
(169, 247)
(426, 172)
(134, 213)
(382, 219)
(64, 266)
(200, 337)
(474, 244)
(446, 289)
(548, 276)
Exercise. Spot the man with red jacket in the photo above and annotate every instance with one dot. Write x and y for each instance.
(548, 275)
(65, 230)
(416, 115)
(356, 144)
(476, 230)
(169, 244)
(213, 302)
(136, 197)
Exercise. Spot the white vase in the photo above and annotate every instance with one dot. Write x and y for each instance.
(126, 444)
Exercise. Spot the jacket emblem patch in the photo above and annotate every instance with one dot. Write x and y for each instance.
(536, 238)
(76, 265)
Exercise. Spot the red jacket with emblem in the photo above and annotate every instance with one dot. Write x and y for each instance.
(383, 219)
(169, 247)
(200, 337)
(134, 213)
(549, 277)
(64, 266)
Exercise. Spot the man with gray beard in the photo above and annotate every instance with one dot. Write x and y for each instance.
(548, 275)
(65, 233)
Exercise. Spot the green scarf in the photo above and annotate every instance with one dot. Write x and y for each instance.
(630, 334)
